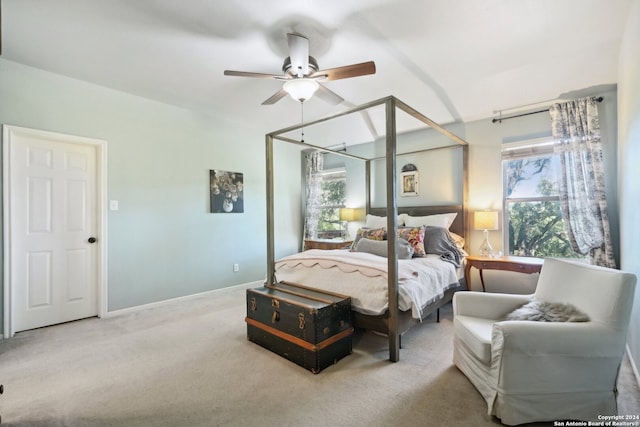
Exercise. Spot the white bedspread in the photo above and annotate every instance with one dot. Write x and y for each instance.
(363, 277)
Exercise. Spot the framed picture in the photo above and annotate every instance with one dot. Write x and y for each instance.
(227, 191)
(409, 183)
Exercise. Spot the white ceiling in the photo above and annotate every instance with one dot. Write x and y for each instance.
(452, 60)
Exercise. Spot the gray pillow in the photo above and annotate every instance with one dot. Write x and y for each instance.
(379, 247)
(438, 241)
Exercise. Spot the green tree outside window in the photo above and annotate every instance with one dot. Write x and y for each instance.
(334, 184)
(532, 208)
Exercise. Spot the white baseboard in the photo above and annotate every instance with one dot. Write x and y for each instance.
(634, 368)
(128, 310)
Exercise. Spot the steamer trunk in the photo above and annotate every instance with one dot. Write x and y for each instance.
(312, 328)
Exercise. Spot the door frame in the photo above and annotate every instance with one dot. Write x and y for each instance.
(101, 214)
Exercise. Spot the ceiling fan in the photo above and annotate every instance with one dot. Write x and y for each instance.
(302, 75)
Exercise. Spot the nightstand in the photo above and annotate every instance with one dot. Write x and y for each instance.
(518, 264)
(327, 244)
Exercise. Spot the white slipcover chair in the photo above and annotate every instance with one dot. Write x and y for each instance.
(531, 371)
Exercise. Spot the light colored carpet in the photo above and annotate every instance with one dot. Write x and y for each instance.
(188, 363)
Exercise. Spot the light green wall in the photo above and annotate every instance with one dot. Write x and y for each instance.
(163, 243)
(485, 177)
(485, 171)
(629, 154)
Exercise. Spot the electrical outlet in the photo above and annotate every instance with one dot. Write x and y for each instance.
(236, 268)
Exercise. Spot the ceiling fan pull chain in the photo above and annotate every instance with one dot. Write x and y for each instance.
(302, 121)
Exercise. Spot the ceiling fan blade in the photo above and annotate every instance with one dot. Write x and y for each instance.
(249, 74)
(347, 71)
(275, 97)
(328, 95)
(299, 54)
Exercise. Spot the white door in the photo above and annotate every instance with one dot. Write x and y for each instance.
(53, 226)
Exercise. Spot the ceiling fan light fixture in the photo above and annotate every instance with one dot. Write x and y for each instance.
(301, 74)
(301, 89)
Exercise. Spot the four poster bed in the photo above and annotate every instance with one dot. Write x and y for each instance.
(389, 293)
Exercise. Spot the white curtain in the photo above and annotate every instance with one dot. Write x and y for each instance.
(582, 193)
(314, 166)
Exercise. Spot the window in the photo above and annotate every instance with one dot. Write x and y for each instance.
(532, 216)
(334, 183)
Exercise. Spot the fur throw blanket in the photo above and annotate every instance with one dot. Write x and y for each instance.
(542, 311)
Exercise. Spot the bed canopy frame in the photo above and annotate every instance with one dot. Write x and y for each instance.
(391, 106)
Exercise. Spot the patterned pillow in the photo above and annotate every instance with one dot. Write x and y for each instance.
(369, 233)
(415, 237)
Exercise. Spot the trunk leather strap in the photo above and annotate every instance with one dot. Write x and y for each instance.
(297, 341)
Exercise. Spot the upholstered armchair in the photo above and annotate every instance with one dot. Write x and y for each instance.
(531, 371)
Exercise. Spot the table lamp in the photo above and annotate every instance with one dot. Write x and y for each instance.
(485, 220)
(349, 215)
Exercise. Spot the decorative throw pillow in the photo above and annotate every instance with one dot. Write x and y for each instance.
(542, 311)
(380, 248)
(369, 233)
(415, 237)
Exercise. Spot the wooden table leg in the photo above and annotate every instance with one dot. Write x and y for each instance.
(467, 276)
(482, 280)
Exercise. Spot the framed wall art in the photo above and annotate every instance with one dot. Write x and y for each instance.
(227, 191)
(409, 183)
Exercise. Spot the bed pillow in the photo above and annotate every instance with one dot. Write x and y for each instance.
(438, 241)
(415, 237)
(373, 221)
(459, 240)
(369, 233)
(380, 248)
(542, 311)
(437, 220)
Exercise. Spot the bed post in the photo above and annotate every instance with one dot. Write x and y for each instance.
(271, 279)
(465, 196)
(392, 230)
(367, 185)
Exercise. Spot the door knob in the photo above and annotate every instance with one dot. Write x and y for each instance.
(92, 240)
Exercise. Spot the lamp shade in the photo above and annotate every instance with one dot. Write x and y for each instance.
(351, 214)
(301, 89)
(485, 220)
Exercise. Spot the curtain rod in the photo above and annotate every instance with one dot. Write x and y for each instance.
(500, 119)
